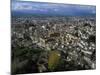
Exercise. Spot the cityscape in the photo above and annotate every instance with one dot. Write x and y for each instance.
(46, 42)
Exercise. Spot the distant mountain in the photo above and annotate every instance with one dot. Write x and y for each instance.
(20, 8)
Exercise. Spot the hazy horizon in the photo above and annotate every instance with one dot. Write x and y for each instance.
(51, 9)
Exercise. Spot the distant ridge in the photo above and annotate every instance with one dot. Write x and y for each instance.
(20, 8)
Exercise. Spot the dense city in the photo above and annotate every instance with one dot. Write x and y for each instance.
(51, 44)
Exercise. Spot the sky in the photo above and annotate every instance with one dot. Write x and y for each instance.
(85, 2)
(44, 8)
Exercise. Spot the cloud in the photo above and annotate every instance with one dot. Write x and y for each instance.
(21, 6)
